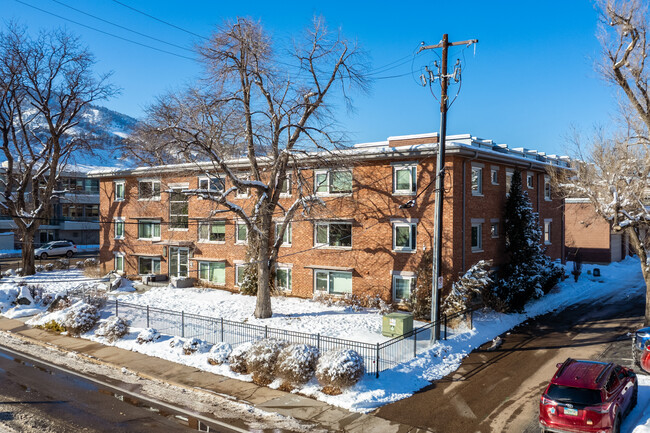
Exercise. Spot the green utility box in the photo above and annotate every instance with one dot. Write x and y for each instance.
(396, 324)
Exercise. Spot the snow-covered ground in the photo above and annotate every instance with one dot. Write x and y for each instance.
(399, 382)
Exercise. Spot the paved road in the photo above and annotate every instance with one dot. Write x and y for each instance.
(499, 391)
(38, 398)
(15, 262)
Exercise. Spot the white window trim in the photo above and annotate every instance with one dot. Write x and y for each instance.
(149, 221)
(198, 271)
(247, 190)
(530, 175)
(328, 193)
(494, 169)
(409, 166)
(492, 222)
(548, 221)
(153, 180)
(411, 226)
(329, 292)
(208, 241)
(237, 241)
(477, 223)
(208, 178)
(479, 192)
(123, 183)
(402, 276)
(547, 181)
(290, 180)
(327, 245)
(119, 220)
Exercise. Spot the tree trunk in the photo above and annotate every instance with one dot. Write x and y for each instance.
(28, 265)
(263, 307)
(639, 248)
(646, 320)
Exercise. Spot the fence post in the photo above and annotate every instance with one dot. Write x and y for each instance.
(266, 331)
(445, 326)
(318, 341)
(147, 316)
(222, 329)
(415, 344)
(116, 301)
(377, 375)
(183, 324)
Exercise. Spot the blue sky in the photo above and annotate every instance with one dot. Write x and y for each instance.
(530, 80)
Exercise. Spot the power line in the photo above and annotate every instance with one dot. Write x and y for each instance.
(122, 27)
(104, 32)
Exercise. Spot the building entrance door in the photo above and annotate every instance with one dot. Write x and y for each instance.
(178, 261)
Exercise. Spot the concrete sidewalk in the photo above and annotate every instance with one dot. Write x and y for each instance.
(302, 408)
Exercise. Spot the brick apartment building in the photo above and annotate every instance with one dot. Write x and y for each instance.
(362, 242)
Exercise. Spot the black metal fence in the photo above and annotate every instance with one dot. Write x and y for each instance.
(377, 357)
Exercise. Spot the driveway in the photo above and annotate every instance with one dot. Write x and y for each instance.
(499, 391)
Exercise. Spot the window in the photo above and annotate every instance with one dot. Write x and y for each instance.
(119, 190)
(494, 175)
(91, 212)
(240, 271)
(283, 278)
(333, 182)
(547, 188)
(494, 229)
(243, 192)
(529, 180)
(212, 183)
(214, 272)
(241, 233)
(404, 236)
(402, 287)
(333, 282)
(509, 174)
(405, 179)
(214, 231)
(149, 190)
(149, 230)
(333, 234)
(178, 208)
(119, 229)
(547, 231)
(148, 265)
(119, 263)
(477, 235)
(477, 180)
(286, 239)
(285, 188)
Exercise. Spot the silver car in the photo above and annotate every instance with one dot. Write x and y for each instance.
(56, 248)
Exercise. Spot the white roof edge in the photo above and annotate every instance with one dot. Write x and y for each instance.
(372, 144)
(576, 200)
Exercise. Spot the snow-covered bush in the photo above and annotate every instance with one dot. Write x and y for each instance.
(49, 267)
(59, 302)
(237, 358)
(9, 273)
(113, 329)
(91, 262)
(468, 288)
(79, 264)
(81, 318)
(40, 268)
(338, 369)
(297, 363)
(176, 342)
(62, 264)
(147, 336)
(262, 357)
(19, 271)
(219, 353)
(194, 345)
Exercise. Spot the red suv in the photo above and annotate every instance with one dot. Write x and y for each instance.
(587, 396)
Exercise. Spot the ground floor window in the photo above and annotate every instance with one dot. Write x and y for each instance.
(403, 287)
(148, 265)
(240, 271)
(333, 282)
(283, 278)
(119, 263)
(214, 272)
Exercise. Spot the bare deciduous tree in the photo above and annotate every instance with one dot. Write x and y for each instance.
(45, 84)
(271, 110)
(614, 173)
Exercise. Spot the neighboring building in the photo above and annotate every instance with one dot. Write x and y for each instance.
(74, 214)
(362, 243)
(589, 236)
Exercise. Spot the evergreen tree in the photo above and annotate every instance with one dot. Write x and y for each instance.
(529, 273)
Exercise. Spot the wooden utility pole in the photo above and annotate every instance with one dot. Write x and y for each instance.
(437, 282)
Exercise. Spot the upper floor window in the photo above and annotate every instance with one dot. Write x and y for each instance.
(149, 190)
(286, 239)
(529, 180)
(149, 230)
(509, 174)
(547, 188)
(547, 231)
(333, 234)
(119, 190)
(243, 192)
(405, 179)
(494, 175)
(178, 209)
(241, 233)
(333, 182)
(212, 231)
(119, 229)
(477, 180)
(81, 186)
(404, 236)
(285, 188)
(212, 183)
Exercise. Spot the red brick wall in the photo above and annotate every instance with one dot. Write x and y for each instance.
(587, 233)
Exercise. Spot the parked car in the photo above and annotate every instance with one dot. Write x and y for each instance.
(587, 396)
(56, 248)
(641, 349)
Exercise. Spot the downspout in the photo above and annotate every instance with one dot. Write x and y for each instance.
(464, 205)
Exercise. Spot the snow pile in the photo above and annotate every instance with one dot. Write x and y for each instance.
(147, 336)
(237, 358)
(79, 318)
(113, 329)
(219, 353)
(297, 364)
(194, 345)
(339, 369)
(262, 357)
